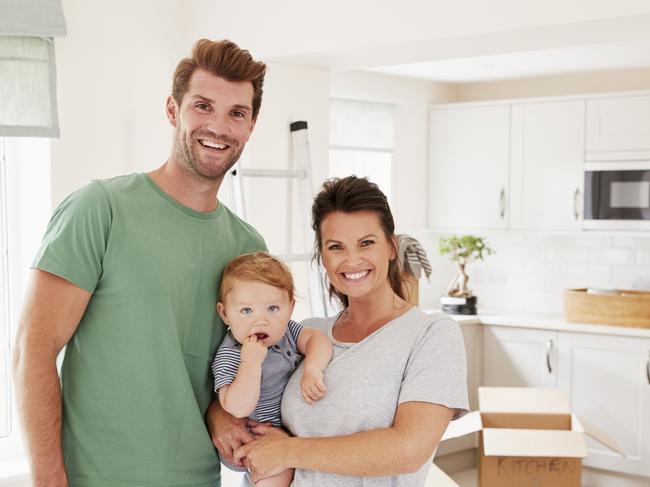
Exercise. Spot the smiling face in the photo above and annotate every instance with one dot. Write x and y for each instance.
(213, 123)
(256, 308)
(356, 253)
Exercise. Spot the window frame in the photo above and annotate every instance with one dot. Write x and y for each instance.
(362, 149)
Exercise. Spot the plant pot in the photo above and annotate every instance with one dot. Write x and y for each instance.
(459, 306)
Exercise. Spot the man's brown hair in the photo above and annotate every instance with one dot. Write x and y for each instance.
(224, 59)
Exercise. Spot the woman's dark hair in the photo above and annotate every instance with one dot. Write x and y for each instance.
(349, 195)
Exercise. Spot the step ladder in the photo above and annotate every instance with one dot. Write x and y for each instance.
(300, 171)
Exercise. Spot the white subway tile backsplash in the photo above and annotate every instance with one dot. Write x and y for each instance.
(591, 241)
(545, 269)
(643, 256)
(612, 256)
(632, 276)
(634, 242)
(591, 275)
(567, 254)
(531, 270)
(519, 253)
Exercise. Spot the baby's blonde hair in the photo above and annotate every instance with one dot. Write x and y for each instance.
(256, 266)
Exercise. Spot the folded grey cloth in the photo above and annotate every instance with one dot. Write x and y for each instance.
(412, 257)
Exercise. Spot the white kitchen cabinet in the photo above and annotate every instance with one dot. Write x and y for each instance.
(618, 128)
(608, 381)
(546, 165)
(472, 336)
(519, 357)
(468, 168)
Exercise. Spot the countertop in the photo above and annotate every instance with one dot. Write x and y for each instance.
(545, 322)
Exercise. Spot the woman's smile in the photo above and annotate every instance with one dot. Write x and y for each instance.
(356, 276)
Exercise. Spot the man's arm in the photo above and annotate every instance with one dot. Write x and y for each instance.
(227, 432)
(51, 313)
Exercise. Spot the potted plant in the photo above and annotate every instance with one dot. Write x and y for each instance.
(462, 250)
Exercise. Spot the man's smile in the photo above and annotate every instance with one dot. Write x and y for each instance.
(213, 145)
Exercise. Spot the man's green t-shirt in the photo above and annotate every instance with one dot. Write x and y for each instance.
(136, 378)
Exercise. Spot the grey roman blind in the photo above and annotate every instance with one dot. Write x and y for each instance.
(27, 67)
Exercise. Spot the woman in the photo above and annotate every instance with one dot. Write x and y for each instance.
(397, 376)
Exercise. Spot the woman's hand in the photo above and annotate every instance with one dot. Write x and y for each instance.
(267, 455)
(227, 432)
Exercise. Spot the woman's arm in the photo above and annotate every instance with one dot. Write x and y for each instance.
(402, 448)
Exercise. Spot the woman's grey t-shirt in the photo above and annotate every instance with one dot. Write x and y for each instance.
(416, 357)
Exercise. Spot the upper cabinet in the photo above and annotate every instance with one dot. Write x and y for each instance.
(520, 164)
(468, 172)
(618, 128)
(546, 165)
(507, 165)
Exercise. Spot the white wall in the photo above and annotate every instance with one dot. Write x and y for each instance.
(291, 93)
(530, 270)
(413, 97)
(557, 85)
(114, 74)
(361, 33)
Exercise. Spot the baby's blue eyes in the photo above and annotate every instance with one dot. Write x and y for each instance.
(274, 308)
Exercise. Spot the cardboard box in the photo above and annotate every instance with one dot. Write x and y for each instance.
(527, 436)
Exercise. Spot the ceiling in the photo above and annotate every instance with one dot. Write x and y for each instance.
(522, 64)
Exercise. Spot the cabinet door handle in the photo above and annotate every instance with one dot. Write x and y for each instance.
(576, 196)
(647, 368)
(549, 347)
(502, 203)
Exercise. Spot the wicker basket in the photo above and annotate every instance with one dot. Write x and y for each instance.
(622, 308)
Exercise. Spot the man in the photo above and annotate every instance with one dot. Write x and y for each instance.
(127, 278)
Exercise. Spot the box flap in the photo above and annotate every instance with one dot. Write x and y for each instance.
(470, 423)
(438, 478)
(527, 421)
(522, 400)
(597, 434)
(533, 443)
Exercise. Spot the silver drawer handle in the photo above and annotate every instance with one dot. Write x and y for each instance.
(576, 195)
(502, 203)
(647, 368)
(549, 347)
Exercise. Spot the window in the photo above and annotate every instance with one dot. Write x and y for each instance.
(362, 140)
(25, 207)
(4, 302)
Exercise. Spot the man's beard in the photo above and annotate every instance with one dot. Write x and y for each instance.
(187, 155)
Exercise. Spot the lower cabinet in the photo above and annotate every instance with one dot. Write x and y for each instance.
(519, 357)
(472, 336)
(607, 379)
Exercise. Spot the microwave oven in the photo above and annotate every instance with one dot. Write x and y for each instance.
(617, 195)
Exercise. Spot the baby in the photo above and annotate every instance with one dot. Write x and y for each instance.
(263, 346)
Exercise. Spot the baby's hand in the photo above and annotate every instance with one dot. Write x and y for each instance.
(312, 385)
(253, 351)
